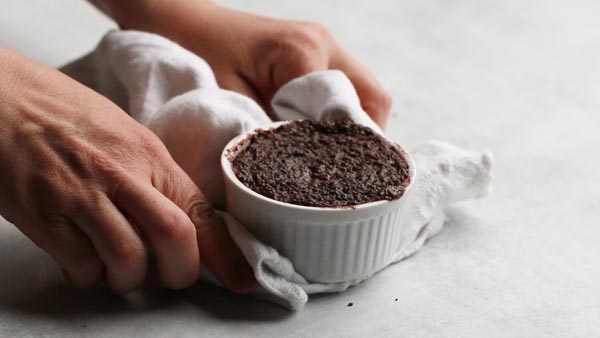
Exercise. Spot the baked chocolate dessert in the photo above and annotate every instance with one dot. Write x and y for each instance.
(322, 164)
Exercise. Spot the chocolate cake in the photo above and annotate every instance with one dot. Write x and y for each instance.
(322, 164)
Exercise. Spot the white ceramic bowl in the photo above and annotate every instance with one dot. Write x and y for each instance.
(324, 244)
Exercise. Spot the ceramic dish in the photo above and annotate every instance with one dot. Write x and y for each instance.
(324, 244)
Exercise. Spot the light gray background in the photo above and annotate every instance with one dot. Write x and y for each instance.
(520, 77)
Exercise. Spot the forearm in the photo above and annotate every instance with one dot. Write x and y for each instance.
(151, 15)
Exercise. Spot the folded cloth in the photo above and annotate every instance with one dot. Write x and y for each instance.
(174, 93)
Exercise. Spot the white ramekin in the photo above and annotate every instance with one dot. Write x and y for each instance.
(325, 245)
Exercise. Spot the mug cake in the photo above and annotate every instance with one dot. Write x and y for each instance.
(327, 195)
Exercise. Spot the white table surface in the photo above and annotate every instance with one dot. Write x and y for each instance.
(520, 77)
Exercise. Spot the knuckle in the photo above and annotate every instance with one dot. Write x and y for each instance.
(380, 103)
(170, 181)
(300, 39)
(201, 212)
(105, 164)
(386, 101)
(112, 176)
(307, 36)
(115, 167)
(131, 155)
(153, 150)
(129, 253)
(119, 190)
(150, 143)
(318, 28)
(295, 50)
(176, 227)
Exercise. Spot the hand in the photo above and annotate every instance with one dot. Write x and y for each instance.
(250, 54)
(94, 188)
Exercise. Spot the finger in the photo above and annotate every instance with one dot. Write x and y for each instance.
(169, 230)
(217, 249)
(295, 66)
(117, 243)
(237, 83)
(243, 85)
(220, 253)
(373, 97)
(74, 251)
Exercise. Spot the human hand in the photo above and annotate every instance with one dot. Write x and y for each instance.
(250, 54)
(91, 187)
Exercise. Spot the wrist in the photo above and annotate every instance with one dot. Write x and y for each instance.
(192, 23)
(28, 89)
(10, 69)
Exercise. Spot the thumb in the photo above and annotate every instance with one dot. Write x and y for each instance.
(218, 251)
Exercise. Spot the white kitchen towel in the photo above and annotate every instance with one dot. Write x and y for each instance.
(174, 93)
